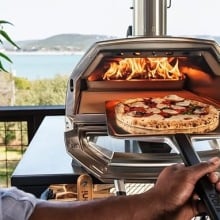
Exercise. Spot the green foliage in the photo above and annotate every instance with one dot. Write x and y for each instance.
(43, 92)
(6, 37)
(9, 132)
(22, 83)
(10, 136)
(4, 34)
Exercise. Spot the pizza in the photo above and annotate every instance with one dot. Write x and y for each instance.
(165, 115)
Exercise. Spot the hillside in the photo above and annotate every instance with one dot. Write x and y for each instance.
(62, 42)
(72, 42)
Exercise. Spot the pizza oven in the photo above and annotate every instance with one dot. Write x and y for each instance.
(137, 66)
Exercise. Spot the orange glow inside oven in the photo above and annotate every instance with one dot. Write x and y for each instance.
(138, 68)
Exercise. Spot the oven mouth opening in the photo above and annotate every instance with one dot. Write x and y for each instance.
(145, 72)
(141, 68)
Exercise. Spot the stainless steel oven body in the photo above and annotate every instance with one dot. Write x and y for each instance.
(135, 158)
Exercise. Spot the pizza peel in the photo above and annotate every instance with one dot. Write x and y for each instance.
(118, 129)
(204, 188)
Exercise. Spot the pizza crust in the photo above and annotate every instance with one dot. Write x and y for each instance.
(141, 131)
(203, 118)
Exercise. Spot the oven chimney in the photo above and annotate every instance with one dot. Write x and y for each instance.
(149, 17)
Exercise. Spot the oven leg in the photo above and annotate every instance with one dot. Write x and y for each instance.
(120, 187)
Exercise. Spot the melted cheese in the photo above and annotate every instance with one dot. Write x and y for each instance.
(200, 111)
(157, 100)
(177, 107)
(138, 104)
(154, 110)
(184, 103)
(161, 106)
(170, 111)
(174, 98)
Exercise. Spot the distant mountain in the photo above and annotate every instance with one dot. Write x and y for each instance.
(61, 42)
(72, 42)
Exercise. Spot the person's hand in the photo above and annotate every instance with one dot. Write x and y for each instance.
(176, 184)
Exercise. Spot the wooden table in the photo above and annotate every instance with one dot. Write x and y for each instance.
(46, 160)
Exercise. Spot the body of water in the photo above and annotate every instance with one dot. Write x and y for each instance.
(40, 66)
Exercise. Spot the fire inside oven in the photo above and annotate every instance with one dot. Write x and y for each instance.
(149, 73)
(145, 68)
(132, 68)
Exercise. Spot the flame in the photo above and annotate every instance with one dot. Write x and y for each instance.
(143, 68)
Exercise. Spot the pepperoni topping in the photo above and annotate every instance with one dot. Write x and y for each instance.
(126, 108)
(142, 114)
(137, 109)
(165, 114)
(181, 111)
(149, 102)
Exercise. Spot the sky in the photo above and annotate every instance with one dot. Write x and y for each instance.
(39, 19)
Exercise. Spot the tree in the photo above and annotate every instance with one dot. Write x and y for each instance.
(6, 37)
(41, 92)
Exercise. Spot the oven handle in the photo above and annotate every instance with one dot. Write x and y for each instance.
(169, 4)
(204, 188)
